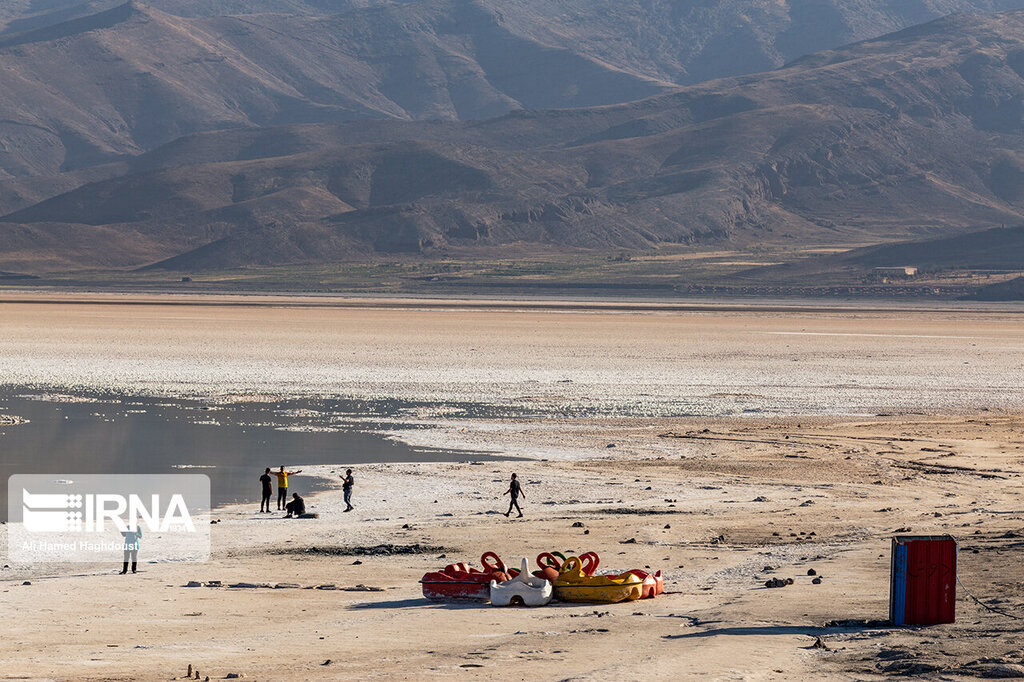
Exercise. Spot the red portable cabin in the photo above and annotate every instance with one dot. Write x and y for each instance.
(923, 586)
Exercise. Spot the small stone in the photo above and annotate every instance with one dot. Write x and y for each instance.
(667, 526)
(357, 562)
(327, 662)
(586, 532)
(807, 503)
(818, 644)
(816, 581)
(760, 498)
(811, 571)
(578, 524)
(27, 582)
(193, 583)
(234, 676)
(631, 541)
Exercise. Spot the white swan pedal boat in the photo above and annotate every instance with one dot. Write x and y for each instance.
(522, 590)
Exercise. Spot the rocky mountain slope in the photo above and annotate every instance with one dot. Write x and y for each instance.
(130, 78)
(915, 133)
(683, 41)
(90, 82)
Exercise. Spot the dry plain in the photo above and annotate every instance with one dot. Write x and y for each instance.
(750, 442)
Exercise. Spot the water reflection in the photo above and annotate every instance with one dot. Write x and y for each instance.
(230, 440)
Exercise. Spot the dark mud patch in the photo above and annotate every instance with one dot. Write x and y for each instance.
(629, 511)
(369, 550)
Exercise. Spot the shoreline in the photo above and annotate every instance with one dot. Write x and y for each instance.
(513, 302)
(685, 505)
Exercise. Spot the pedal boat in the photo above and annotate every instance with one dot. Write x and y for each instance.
(522, 590)
(573, 585)
(653, 584)
(462, 582)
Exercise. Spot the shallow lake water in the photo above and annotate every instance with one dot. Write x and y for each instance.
(232, 442)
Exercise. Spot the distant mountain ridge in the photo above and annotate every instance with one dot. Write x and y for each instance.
(91, 82)
(918, 133)
(117, 83)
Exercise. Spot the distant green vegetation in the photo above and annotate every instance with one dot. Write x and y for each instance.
(669, 272)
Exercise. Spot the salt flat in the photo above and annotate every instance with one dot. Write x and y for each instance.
(748, 444)
(646, 361)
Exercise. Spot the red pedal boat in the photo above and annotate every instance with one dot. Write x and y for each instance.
(462, 582)
(653, 583)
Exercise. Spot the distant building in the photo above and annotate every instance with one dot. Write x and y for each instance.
(897, 271)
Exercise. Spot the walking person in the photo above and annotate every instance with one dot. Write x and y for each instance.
(347, 489)
(515, 490)
(282, 486)
(132, 539)
(268, 490)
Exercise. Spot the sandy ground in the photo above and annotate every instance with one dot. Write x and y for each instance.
(719, 504)
(835, 492)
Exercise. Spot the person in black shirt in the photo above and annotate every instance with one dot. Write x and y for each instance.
(296, 507)
(515, 490)
(347, 488)
(268, 490)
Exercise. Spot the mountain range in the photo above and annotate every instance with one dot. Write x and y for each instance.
(88, 82)
(175, 135)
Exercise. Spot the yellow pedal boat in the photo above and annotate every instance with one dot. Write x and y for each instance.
(573, 584)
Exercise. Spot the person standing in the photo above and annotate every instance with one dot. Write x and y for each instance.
(515, 490)
(268, 490)
(132, 539)
(347, 489)
(282, 486)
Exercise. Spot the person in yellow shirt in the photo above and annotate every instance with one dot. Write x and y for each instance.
(282, 485)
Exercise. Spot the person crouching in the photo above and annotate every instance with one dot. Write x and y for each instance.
(295, 508)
